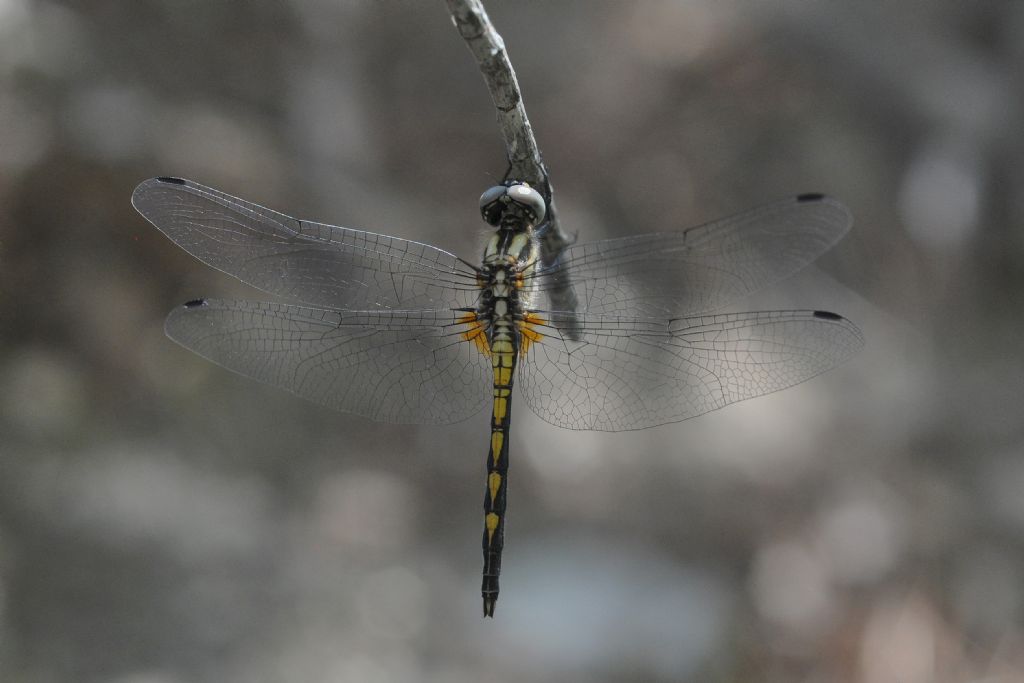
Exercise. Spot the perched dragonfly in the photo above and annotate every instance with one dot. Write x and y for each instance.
(404, 332)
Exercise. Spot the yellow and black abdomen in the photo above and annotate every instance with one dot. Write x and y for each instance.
(503, 360)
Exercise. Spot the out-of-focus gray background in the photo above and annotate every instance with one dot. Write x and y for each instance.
(164, 521)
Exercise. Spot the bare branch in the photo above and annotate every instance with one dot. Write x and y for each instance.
(489, 49)
(524, 156)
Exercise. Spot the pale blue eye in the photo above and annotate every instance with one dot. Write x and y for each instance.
(530, 198)
(491, 195)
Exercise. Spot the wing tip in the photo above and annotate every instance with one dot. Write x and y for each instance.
(857, 340)
(141, 189)
(821, 198)
(178, 314)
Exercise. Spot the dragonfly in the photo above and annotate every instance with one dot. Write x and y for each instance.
(399, 331)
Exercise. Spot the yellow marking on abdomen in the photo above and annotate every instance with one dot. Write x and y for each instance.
(500, 408)
(491, 520)
(502, 346)
(502, 363)
(475, 333)
(493, 483)
(497, 440)
(502, 359)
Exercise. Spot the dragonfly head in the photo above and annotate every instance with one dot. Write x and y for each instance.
(512, 200)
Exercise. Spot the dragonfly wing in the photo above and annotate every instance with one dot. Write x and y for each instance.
(389, 366)
(703, 268)
(313, 263)
(626, 373)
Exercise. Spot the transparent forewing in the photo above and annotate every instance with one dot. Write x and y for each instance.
(312, 263)
(701, 269)
(387, 365)
(630, 374)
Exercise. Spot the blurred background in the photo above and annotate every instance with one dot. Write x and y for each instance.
(165, 521)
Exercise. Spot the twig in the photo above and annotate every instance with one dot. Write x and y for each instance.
(524, 157)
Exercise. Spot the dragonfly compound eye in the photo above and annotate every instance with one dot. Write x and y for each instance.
(494, 201)
(491, 204)
(528, 197)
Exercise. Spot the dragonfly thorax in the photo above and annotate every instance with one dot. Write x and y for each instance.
(513, 249)
(508, 263)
